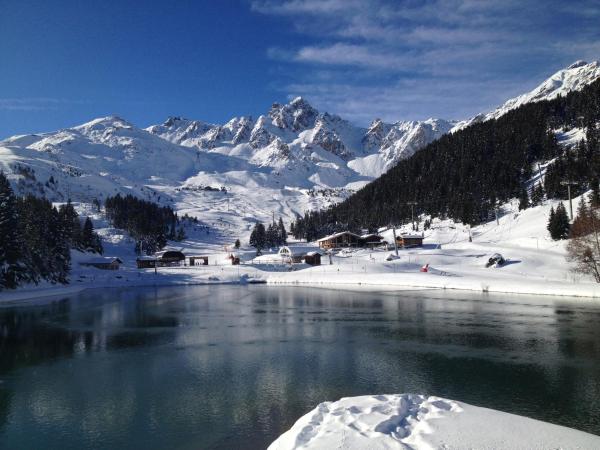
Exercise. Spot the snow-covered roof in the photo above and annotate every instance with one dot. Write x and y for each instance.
(171, 249)
(299, 250)
(101, 260)
(146, 258)
(334, 235)
(411, 236)
(313, 253)
(368, 235)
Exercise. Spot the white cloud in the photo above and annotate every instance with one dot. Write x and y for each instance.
(454, 57)
(30, 104)
(348, 54)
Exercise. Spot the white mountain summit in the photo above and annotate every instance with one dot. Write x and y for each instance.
(573, 78)
(289, 160)
(299, 129)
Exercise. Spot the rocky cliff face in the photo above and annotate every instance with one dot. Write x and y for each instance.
(298, 124)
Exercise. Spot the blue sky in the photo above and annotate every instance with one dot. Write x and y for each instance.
(65, 62)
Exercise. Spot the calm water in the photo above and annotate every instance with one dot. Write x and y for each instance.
(228, 367)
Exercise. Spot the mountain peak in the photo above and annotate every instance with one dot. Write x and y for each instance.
(299, 101)
(576, 64)
(297, 115)
(105, 122)
(172, 120)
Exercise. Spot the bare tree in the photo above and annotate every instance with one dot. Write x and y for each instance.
(584, 245)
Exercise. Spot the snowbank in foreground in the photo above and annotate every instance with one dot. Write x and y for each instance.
(419, 422)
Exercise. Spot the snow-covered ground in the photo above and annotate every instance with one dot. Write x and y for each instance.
(291, 160)
(535, 263)
(409, 421)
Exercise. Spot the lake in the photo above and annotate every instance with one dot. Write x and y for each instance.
(232, 367)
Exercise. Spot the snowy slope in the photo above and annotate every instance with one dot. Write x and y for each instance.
(226, 189)
(409, 421)
(573, 78)
(285, 162)
(292, 159)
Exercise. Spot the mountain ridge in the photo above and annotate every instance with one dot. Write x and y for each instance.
(299, 157)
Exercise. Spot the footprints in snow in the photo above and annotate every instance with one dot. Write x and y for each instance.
(401, 417)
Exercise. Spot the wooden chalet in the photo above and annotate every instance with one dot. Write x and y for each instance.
(340, 240)
(102, 262)
(146, 262)
(313, 258)
(346, 239)
(371, 240)
(409, 240)
(170, 257)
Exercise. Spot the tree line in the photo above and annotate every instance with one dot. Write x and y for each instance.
(273, 236)
(36, 238)
(466, 174)
(149, 224)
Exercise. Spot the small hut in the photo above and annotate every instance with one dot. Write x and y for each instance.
(295, 253)
(102, 262)
(170, 257)
(313, 258)
(409, 240)
(198, 260)
(146, 262)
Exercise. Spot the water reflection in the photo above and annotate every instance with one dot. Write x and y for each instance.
(233, 367)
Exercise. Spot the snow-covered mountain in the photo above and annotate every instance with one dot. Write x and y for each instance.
(298, 132)
(573, 78)
(289, 160)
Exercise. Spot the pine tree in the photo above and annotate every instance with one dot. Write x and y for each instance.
(237, 244)
(180, 236)
(558, 224)
(537, 195)
(89, 238)
(258, 237)
(272, 235)
(71, 225)
(59, 248)
(523, 200)
(282, 233)
(551, 222)
(11, 269)
(595, 197)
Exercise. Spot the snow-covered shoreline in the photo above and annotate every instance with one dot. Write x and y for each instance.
(433, 281)
(420, 422)
(535, 264)
(496, 283)
(318, 277)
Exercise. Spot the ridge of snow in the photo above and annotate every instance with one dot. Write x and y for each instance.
(572, 78)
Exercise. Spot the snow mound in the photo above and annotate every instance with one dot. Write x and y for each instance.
(410, 421)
